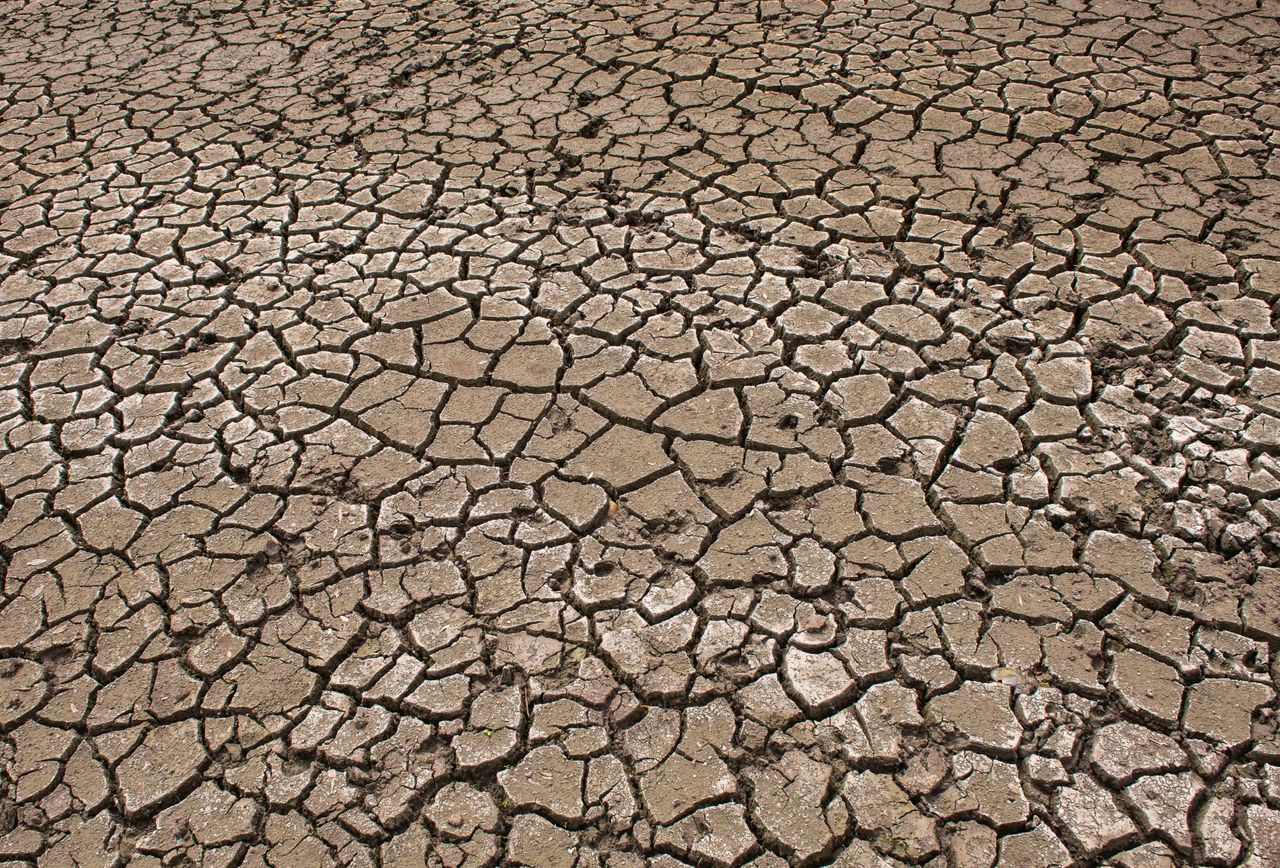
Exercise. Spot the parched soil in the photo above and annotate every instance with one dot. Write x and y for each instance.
(584, 433)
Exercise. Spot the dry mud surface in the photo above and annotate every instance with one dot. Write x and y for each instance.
(684, 433)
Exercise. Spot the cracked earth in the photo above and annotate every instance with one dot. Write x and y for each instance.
(683, 433)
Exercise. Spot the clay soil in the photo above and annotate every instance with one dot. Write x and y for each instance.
(585, 433)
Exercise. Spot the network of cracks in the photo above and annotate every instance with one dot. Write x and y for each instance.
(575, 433)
